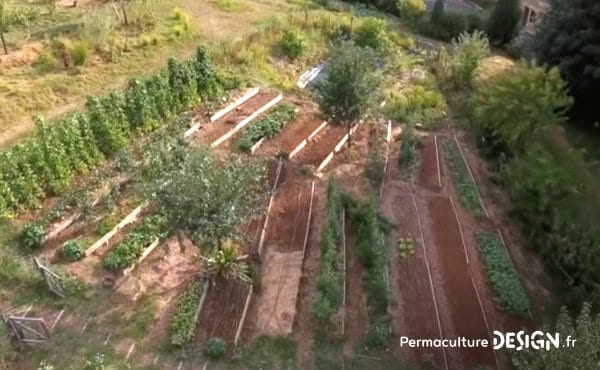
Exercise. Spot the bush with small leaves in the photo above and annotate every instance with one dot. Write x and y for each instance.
(215, 348)
(32, 236)
(73, 250)
(469, 51)
(79, 51)
(292, 44)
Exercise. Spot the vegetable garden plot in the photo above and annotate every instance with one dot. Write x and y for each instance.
(464, 314)
(208, 133)
(223, 309)
(317, 150)
(430, 176)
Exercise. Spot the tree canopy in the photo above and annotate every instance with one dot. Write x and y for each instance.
(569, 37)
(503, 23)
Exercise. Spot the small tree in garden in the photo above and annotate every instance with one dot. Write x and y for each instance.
(515, 105)
(503, 24)
(351, 85)
(469, 51)
(205, 197)
(583, 354)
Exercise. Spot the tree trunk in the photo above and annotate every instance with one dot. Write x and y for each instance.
(74, 3)
(3, 43)
(349, 128)
(125, 15)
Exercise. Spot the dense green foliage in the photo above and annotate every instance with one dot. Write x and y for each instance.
(568, 38)
(204, 196)
(127, 252)
(183, 323)
(330, 280)
(73, 250)
(514, 106)
(373, 33)
(411, 10)
(292, 44)
(503, 23)
(215, 348)
(371, 249)
(583, 354)
(375, 164)
(32, 236)
(511, 295)
(469, 51)
(351, 84)
(266, 127)
(438, 10)
(409, 146)
(416, 105)
(466, 188)
(225, 262)
(46, 163)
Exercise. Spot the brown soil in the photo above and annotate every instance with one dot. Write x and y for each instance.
(356, 320)
(316, 151)
(223, 309)
(463, 313)
(209, 132)
(429, 163)
(292, 134)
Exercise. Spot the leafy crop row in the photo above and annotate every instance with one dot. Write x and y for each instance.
(330, 276)
(183, 322)
(511, 295)
(131, 248)
(467, 190)
(47, 162)
(369, 242)
(266, 127)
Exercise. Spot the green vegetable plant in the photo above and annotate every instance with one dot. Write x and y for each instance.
(266, 127)
(406, 247)
(131, 248)
(73, 250)
(467, 190)
(215, 348)
(183, 323)
(32, 236)
(510, 293)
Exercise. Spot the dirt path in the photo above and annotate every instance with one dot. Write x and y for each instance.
(430, 165)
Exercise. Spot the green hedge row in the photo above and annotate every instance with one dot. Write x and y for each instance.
(511, 295)
(46, 163)
(266, 127)
(330, 283)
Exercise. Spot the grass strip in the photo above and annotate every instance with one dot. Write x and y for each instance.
(510, 293)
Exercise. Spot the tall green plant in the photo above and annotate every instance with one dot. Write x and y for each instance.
(469, 51)
(503, 23)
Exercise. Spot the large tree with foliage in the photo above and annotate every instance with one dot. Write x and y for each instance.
(503, 24)
(583, 354)
(205, 197)
(514, 106)
(569, 37)
(351, 85)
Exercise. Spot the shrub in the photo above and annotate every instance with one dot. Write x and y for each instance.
(469, 51)
(46, 62)
(372, 33)
(215, 348)
(32, 236)
(73, 250)
(511, 295)
(375, 165)
(183, 325)
(266, 127)
(411, 10)
(378, 335)
(79, 51)
(417, 106)
(292, 44)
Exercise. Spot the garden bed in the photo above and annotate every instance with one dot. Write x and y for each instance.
(430, 176)
(223, 309)
(324, 143)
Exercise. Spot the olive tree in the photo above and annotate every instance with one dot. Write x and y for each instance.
(351, 85)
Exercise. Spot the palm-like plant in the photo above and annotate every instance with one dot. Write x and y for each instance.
(226, 262)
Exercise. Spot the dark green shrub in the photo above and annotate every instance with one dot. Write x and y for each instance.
(32, 236)
(372, 33)
(73, 250)
(292, 44)
(215, 348)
